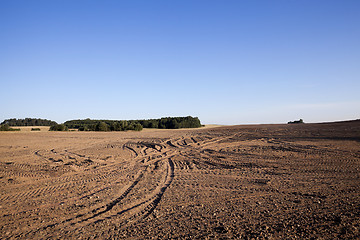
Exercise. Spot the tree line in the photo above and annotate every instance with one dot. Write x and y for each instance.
(171, 122)
(106, 125)
(103, 125)
(137, 125)
(28, 122)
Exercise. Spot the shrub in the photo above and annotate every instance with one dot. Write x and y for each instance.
(5, 127)
(35, 129)
(58, 127)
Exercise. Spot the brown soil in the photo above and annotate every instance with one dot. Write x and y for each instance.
(264, 181)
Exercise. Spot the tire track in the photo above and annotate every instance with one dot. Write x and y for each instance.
(63, 183)
(136, 210)
(106, 208)
(132, 210)
(131, 149)
(141, 210)
(82, 218)
(168, 180)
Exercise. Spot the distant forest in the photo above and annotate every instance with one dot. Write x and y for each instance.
(107, 125)
(137, 125)
(28, 122)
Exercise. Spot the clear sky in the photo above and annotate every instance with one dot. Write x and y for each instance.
(226, 62)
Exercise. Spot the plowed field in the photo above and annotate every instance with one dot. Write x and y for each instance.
(261, 181)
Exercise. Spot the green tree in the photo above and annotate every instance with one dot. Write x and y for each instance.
(58, 127)
(138, 127)
(102, 126)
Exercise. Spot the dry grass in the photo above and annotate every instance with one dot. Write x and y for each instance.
(28, 128)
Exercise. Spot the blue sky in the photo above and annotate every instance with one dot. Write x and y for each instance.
(227, 62)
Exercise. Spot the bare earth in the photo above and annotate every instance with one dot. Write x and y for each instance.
(264, 181)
